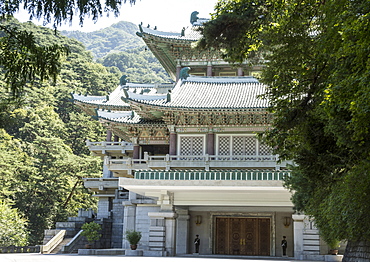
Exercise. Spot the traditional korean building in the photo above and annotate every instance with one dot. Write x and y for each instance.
(183, 159)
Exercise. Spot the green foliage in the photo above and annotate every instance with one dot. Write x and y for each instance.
(43, 156)
(138, 64)
(115, 38)
(118, 48)
(24, 61)
(316, 60)
(60, 11)
(133, 237)
(234, 29)
(12, 227)
(91, 231)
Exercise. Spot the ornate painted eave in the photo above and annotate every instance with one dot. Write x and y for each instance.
(130, 125)
(125, 117)
(169, 48)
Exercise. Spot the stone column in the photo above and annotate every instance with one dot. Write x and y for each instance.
(298, 226)
(103, 208)
(170, 224)
(240, 71)
(182, 232)
(209, 69)
(129, 217)
(109, 136)
(211, 144)
(106, 172)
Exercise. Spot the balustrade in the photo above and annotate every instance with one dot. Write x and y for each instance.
(195, 161)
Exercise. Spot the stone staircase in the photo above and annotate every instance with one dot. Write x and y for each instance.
(59, 247)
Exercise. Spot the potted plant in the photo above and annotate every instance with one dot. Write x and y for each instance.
(133, 237)
(92, 232)
(333, 245)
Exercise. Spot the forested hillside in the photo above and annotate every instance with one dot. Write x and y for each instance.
(116, 38)
(43, 156)
(119, 46)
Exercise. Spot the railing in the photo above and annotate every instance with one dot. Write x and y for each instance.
(55, 241)
(105, 145)
(211, 175)
(72, 244)
(203, 161)
(20, 249)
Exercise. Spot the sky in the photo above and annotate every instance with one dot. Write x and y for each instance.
(167, 15)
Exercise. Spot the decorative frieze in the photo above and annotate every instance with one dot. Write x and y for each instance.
(220, 118)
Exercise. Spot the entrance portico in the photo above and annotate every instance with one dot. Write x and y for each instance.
(232, 217)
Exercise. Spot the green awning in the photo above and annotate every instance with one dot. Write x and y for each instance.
(211, 175)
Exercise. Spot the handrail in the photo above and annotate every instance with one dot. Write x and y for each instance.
(196, 158)
(108, 143)
(53, 243)
(68, 248)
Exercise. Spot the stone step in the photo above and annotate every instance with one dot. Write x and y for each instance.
(58, 248)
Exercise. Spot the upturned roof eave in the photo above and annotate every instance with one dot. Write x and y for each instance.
(140, 123)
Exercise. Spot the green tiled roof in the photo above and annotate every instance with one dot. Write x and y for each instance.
(212, 93)
(211, 175)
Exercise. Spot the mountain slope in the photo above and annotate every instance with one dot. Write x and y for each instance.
(118, 37)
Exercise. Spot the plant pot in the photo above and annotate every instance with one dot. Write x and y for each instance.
(88, 246)
(334, 251)
(133, 247)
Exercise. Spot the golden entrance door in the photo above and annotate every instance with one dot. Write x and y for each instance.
(243, 236)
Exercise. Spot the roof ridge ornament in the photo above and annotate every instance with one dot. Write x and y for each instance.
(184, 73)
(123, 80)
(194, 17)
(168, 96)
(125, 96)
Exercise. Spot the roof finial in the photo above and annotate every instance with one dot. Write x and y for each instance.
(168, 96)
(123, 80)
(194, 17)
(184, 73)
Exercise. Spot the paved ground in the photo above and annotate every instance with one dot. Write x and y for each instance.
(77, 258)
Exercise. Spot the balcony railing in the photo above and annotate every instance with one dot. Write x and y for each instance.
(105, 146)
(205, 162)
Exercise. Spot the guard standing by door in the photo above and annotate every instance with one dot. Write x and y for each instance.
(284, 245)
(197, 243)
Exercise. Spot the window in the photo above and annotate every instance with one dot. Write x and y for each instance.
(192, 145)
(241, 145)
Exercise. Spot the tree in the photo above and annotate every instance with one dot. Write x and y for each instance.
(91, 231)
(317, 60)
(22, 58)
(12, 227)
(24, 61)
(42, 161)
